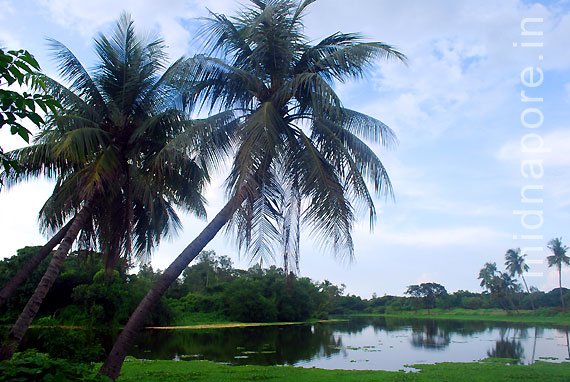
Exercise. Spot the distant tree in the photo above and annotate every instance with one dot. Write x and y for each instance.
(514, 261)
(507, 286)
(487, 274)
(499, 284)
(558, 258)
(329, 294)
(428, 292)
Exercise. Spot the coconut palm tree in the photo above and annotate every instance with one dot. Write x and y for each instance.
(499, 284)
(300, 157)
(507, 286)
(123, 155)
(558, 258)
(514, 261)
(487, 275)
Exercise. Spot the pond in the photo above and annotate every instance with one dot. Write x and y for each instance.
(359, 343)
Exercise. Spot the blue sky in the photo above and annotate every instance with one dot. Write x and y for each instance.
(456, 108)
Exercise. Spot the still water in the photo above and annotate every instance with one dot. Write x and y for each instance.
(359, 343)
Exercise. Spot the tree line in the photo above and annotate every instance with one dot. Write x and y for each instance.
(212, 290)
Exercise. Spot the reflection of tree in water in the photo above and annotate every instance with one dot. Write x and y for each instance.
(270, 345)
(564, 333)
(356, 324)
(505, 348)
(430, 335)
(291, 344)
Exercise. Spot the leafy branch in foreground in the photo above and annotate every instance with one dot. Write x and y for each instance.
(21, 68)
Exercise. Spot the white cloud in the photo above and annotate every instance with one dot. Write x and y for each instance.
(442, 237)
(170, 19)
(89, 18)
(416, 189)
(7, 9)
(556, 142)
(462, 65)
(552, 279)
(8, 41)
(428, 277)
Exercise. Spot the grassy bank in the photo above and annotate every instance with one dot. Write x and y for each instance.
(172, 371)
(526, 316)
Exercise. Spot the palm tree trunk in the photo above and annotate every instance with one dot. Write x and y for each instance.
(560, 287)
(116, 357)
(31, 309)
(32, 264)
(529, 294)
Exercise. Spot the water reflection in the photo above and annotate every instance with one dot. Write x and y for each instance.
(505, 348)
(386, 343)
(565, 333)
(430, 336)
(258, 345)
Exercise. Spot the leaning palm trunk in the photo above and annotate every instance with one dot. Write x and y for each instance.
(529, 294)
(116, 357)
(32, 264)
(32, 307)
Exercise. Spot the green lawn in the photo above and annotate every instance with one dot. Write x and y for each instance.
(172, 371)
(526, 316)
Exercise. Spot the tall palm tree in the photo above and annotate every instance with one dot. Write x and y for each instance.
(120, 153)
(514, 261)
(300, 157)
(558, 258)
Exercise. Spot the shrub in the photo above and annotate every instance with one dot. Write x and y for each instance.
(31, 366)
(75, 345)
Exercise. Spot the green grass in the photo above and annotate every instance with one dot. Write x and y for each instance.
(172, 371)
(526, 316)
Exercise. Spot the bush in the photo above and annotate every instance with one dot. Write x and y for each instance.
(394, 306)
(38, 367)
(75, 345)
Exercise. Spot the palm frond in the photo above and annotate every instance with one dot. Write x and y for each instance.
(369, 128)
(81, 83)
(329, 214)
(342, 56)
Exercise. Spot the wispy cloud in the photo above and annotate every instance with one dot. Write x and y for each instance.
(442, 237)
(555, 143)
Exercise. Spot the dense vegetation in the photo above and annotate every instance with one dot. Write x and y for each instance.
(212, 290)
